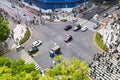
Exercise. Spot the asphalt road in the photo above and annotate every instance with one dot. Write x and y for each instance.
(81, 46)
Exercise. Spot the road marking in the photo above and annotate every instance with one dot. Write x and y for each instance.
(85, 56)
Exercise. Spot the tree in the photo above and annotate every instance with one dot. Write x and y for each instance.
(4, 29)
(70, 70)
(119, 2)
(4, 62)
(17, 70)
(4, 34)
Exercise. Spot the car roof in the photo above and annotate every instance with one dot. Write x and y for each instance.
(30, 49)
(18, 46)
(36, 41)
(84, 26)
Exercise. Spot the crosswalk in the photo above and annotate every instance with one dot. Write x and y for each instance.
(28, 59)
(13, 54)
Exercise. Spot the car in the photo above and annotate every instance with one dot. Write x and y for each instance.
(13, 5)
(68, 27)
(19, 47)
(95, 17)
(84, 28)
(37, 43)
(110, 16)
(97, 25)
(75, 20)
(117, 7)
(68, 38)
(33, 50)
(77, 28)
(105, 14)
(51, 54)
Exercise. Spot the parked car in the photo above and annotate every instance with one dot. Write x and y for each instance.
(20, 47)
(37, 43)
(13, 5)
(97, 25)
(75, 20)
(77, 28)
(33, 50)
(84, 28)
(105, 14)
(68, 38)
(117, 7)
(110, 16)
(68, 27)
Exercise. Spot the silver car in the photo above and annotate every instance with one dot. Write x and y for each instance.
(84, 28)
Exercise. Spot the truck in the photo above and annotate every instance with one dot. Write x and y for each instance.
(55, 50)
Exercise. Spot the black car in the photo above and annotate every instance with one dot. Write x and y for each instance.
(78, 27)
(68, 27)
(32, 50)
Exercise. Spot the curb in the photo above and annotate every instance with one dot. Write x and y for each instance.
(96, 43)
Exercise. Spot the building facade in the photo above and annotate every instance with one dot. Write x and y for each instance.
(53, 4)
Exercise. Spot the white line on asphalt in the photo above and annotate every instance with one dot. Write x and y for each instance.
(86, 56)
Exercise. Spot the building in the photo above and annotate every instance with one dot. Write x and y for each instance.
(53, 4)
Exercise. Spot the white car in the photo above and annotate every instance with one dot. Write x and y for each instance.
(84, 28)
(37, 43)
(110, 16)
(117, 7)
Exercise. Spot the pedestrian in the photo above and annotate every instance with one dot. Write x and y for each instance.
(37, 22)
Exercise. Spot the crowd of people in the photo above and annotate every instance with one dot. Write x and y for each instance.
(105, 66)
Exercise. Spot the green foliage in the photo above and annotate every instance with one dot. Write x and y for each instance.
(119, 2)
(100, 42)
(4, 62)
(72, 69)
(17, 65)
(67, 70)
(17, 70)
(4, 29)
(26, 37)
(57, 58)
(29, 67)
(63, 20)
